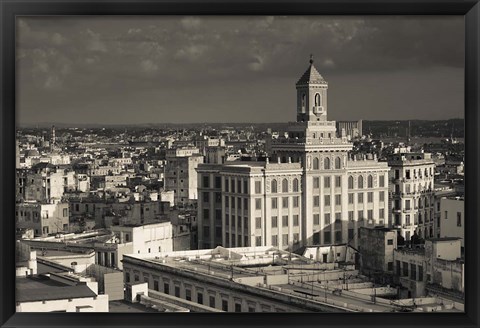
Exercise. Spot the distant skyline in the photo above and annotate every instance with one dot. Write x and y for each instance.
(175, 69)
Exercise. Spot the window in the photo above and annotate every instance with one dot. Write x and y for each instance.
(258, 187)
(296, 201)
(218, 182)
(285, 221)
(296, 238)
(258, 203)
(350, 182)
(316, 238)
(239, 186)
(370, 214)
(285, 239)
(127, 276)
(382, 213)
(327, 218)
(206, 214)
(225, 305)
(327, 237)
(258, 223)
(206, 181)
(326, 182)
(274, 221)
(459, 219)
(338, 199)
(199, 298)
(238, 307)
(226, 184)
(382, 196)
(284, 202)
(188, 294)
(413, 271)
(166, 288)
(390, 266)
(327, 200)
(295, 185)
(274, 203)
(326, 163)
(338, 217)
(360, 198)
(316, 219)
(370, 197)
(258, 241)
(382, 181)
(360, 215)
(127, 237)
(316, 182)
(338, 181)
(338, 163)
(350, 198)
(446, 215)
(245, 187)
(389, 241)
(350, 234)
(211, 301)
(350, 216)
(295, 221)
(420, 273)
(316, 165)
(285, 185)
(245, 204)
(405, 269)
(65, 212)
(338, 236)
(274, 240)
(407, 219)
(370, 181)
(360, 182)
(206, 197)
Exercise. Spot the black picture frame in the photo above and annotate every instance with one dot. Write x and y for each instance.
(12, 8)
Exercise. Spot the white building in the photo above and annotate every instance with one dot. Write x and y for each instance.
(180, 174)
(311, 192)
(452, 218)
(412, 193)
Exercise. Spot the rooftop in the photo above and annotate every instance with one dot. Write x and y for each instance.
(41, 288)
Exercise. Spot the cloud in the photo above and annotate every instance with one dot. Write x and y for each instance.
(191, 52)
(257, 64)
(94, 42)
(58, 39)
(191, 23)
(148, 66)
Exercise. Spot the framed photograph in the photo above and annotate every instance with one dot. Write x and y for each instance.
(207, 163)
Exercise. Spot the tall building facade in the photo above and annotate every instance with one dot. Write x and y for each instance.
(312, 191)
(412, 194)
(180, 173)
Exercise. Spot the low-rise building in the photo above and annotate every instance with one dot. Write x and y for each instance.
(43, 218)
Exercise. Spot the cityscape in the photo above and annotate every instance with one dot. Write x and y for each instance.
(307, 215)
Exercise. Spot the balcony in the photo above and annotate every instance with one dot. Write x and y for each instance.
(318, 109)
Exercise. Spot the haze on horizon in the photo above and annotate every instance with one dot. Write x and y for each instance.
(175, 69)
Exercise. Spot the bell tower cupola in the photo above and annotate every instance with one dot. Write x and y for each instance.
(311, 96)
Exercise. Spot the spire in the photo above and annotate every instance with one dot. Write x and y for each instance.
(311, 75)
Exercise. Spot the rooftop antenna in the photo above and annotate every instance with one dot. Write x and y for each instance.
(311, 59)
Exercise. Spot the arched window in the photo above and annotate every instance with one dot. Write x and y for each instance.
(350, 182)
(370, 181)
(274, 186)
(326, 163)
(318, 100)
(316, 165)
(303, 102)
(295, 185)
(338, 163)
(360, 182)
(285, 185)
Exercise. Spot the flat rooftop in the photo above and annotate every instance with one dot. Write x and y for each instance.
(40, 288)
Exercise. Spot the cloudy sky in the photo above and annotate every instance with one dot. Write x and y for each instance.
(236, 69)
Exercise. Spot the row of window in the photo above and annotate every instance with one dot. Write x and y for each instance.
(416, 174)
(327, 163)
(213, 300)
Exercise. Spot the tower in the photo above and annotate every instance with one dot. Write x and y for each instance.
(311, 95)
